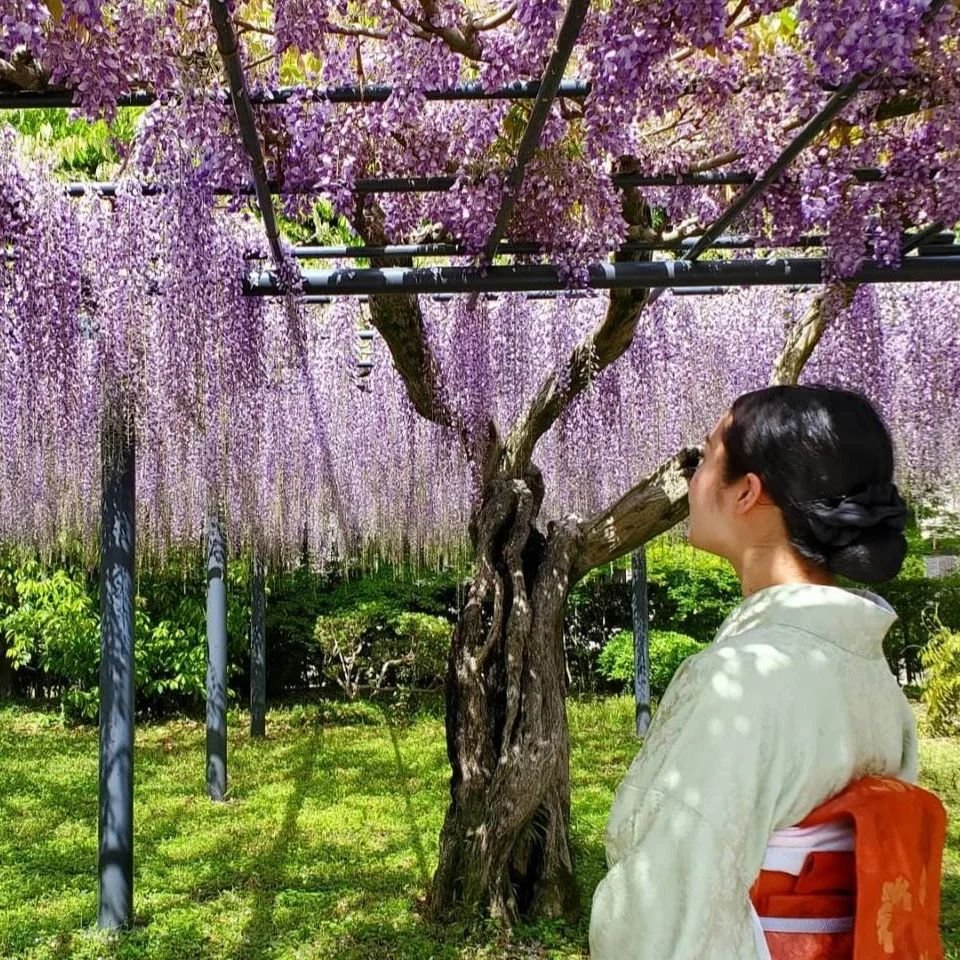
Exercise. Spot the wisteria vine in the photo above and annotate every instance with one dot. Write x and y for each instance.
(262, 408)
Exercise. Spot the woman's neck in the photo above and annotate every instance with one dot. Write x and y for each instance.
(760, 567)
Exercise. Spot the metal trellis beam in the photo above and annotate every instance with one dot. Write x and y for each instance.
(935, 238)
(441, 184)
(550, 84)
(229, 49)
(601, 276)
(377, 93)
(808, 133)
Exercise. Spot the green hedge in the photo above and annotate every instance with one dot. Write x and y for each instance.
(667, 651)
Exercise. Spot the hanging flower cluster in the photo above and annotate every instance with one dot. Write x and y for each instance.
(291, 417)
(676, 86)
(285, 416)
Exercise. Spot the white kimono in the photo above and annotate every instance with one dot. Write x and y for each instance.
(790, 703)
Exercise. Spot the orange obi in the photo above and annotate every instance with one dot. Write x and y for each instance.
(858, 879)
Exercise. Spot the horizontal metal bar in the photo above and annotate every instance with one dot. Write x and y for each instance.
(698, 291)
(440, 184)
(601, 276)
(730, 242)
(314, 299)
(940, 244)
(519, 90)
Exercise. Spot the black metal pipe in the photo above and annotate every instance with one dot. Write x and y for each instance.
(216, 659)
(730, 242)
(117, 589)
(229, 50)
(641, 641)
(602, 276)
(258, 648)
(550, 84)
(378, 93)
(440, 184)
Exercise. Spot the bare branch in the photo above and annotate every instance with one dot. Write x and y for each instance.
(608, 341)
(245, 26)
(461, 40)
(399, 320)
(655, 504)
(357, 31)
(804, 335)
(495, 19)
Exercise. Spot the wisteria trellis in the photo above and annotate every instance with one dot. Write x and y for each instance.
(221, 409)
(260, 408)
(125, 292)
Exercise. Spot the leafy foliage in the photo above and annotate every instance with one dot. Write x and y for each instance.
(668, 650)
(941, 694)
(688, 592)
(52, 635)
(374, 640)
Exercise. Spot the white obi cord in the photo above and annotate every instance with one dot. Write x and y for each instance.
(787, 850)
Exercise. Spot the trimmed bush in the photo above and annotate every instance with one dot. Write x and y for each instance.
(668, 649)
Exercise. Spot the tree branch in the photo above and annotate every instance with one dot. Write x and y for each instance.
(21, 72)
(399, 321)
(608, 341)
(804, 335)
(659, 501)
(655, 504)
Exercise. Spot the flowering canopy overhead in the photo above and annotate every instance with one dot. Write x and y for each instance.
(262, 405)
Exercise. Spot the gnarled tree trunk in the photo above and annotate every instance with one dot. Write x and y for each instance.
(505, 845)
(505, 841)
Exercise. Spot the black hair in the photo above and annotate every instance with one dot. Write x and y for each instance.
(825, 458)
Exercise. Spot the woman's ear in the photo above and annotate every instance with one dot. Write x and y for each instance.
(751, 493)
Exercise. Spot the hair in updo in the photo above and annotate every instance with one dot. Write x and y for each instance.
(826, 460)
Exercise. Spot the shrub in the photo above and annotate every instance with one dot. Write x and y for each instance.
(688, 591)
(941, 660)
(427, 637)
(668, 650)
(370, 644)
(52, 634)
(54, 631)
(922, 606)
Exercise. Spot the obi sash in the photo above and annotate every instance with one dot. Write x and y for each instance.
(858, 879)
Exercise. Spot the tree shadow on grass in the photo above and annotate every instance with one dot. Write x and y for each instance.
(413, 828)
(259, 929)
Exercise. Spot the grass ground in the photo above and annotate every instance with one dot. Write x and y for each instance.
(323, 850)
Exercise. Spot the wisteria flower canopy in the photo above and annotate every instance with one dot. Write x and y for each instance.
(409, 120)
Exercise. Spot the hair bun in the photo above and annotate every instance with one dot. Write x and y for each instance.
(876, 556)
(861, 535)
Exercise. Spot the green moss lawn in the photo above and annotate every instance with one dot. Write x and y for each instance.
(323, 851)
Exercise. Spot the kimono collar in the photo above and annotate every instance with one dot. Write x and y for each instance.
(855, 620)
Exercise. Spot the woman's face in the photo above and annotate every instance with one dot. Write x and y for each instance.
(712, 502)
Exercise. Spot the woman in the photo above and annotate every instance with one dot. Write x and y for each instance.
(791, 704)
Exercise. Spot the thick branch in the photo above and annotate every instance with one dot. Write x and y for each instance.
(464, 39)
(21, 72)
(399, 320)
(608, 341)
(659, 501)
(655, 504)
(805, 334)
